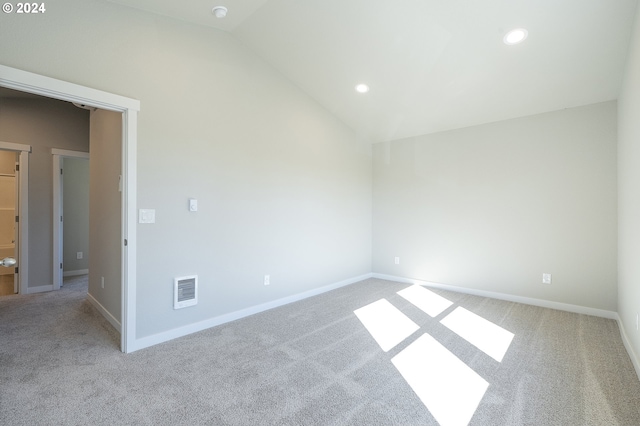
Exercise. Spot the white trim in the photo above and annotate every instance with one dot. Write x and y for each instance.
(165, 336)
(629, 347)
(16, 79)
(23, 225)
(39, 289)
(58, 156)
(25, 81)
(129, 220)
(75, 273)
(103, 311)
(9, 146)
(68, 153)
(503, 296)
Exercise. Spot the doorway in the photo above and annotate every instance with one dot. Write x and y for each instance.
(128, 108)
(70, 214)
(14, 202)
(8, 214)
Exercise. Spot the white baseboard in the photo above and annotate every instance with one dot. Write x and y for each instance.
(105, 313)
(75, 273)
(508, 297)
(627, 344)
(39, 289)
(155, 339)
(530, 301)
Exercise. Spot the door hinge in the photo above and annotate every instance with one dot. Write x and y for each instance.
(16, 271)
(17, 167)
(60, 171)
(60, 265)
(125, 241)
(60, 218)
(17, 218)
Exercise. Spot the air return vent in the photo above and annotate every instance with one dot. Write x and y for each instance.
(185, 292)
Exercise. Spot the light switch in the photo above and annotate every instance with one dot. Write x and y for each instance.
(147, 216)
(193, 205)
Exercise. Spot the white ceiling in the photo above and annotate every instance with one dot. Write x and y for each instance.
(432, 65)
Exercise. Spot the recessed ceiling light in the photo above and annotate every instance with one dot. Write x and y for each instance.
(362, 88)
(219, 11)
(515, 36)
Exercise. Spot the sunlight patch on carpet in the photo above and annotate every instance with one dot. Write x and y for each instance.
(449, 389)
(427, 301)
(481, 333)
(387, 325)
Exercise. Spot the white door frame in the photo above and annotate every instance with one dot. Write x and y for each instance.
(58, 156)
(22, 243)
(24, 81)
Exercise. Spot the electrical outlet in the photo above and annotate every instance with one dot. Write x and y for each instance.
(397, 260)
(266, 280)
(102, 281)
(546, 278)
(79, 255)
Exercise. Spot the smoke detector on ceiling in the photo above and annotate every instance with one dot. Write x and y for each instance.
(219, 11)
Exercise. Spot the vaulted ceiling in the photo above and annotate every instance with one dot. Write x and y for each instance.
(431, 65)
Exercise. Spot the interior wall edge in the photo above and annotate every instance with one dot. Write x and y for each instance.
(628, 346)
(105, 313)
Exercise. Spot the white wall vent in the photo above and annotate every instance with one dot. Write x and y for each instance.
(185, 292)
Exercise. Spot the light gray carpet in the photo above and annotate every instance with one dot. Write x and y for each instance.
(307, 363)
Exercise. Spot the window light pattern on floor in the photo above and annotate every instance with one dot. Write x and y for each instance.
(491, 339)
(386, 323)
(450, 389)
(427, 301)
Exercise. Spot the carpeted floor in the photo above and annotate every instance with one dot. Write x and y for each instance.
(308, 363)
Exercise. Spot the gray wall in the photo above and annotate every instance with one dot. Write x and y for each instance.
(43, 124)
(76, 214)
(284, 188)
(105, 223)
(629, 193)
(493, 207)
